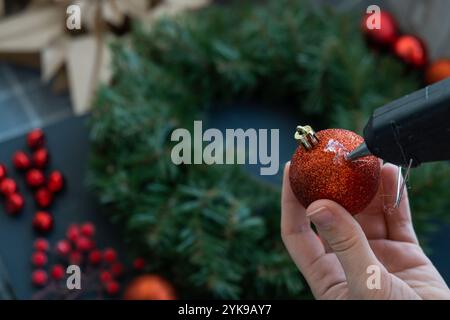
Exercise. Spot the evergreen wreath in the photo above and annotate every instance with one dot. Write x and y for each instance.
(214, 230)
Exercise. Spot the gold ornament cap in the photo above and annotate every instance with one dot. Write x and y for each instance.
(306, 136)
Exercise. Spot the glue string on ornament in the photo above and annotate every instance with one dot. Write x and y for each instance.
(338, 149)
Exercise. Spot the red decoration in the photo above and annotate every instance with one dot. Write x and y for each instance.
(3, 172)
(73, 232)
(112, 288)
(386, 35)
(41, 244)
(110, 255)
(39, 278)
(95, 257)
(57, 272)
(149, 287)
(88, 229)
(84, 244)
(14, 203)
(36, 139)
(63, 247)
(55, 181)
(44, 198)
(35, 178)
(105, 276)
(438, 71)
(139, 264)
(411, 50)
(75, 257)
(43, 221)
(8, 186)
(324, 173)
(39, 259)
(117, 269)
(40, 158)
(21, 161)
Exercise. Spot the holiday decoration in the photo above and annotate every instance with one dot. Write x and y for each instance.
(3, 172)
(41, 244)
(21, 161)
(58, 272)
(39, 278)
(8, 186)
(36, 139)
(43, 222)
(39, 259)
(87, 229)
(73, 232)
(35, 178)
(110, 255)
(149, 287)
(40, 158)
(112, 288)
(63, 247)
(438, 71)
(411, 50)
(14, 203)
(387, 32)
(44, 198)
(139, 264)
(55, 181)
(95, 257)
(84, 244)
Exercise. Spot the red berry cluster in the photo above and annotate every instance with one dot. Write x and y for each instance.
(14, 201)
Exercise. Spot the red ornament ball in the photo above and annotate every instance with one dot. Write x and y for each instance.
(8, 186)
(109, 255)
(43, 221)
(438, 71)
(75, 257)
(3, 172)
(117, 269)
(57, 272)
(105, 276)
(112, 288)
(40, 158)
(411, 50)
(36, 139)
(387, 33)
(39, 278)
(84, 244)
(55, 181)
(44, 198)
(87, 229)
(73, 232)
(21, 161)
(41, 244)
(139, 264)
(63, 248)
(149, 287)
(324, 173)
(35, 178)
(95, 257)
(14, 203)
(39, 259)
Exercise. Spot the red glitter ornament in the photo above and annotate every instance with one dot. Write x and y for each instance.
(112, 288)
(323, 172)
(95, 257)
(35, 178)
(14, 203)
(40, 158)
(41, 244)
(43, 221)
(411, 50)
(39, 259)
(63, 247)
(110, 255)
(3, 172)
(44, 198)
(387, 33)
(55, 181)
(21, 161)
(8, 186)
(88, 229)
(39, 278)
(438, 71)
(57, 272)
(36, 139)
(139, 264)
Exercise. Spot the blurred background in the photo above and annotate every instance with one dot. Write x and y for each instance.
(108, 95)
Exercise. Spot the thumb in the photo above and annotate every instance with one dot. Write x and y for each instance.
(348, 241)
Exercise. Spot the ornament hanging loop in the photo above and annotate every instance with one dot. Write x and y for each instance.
(306, 136)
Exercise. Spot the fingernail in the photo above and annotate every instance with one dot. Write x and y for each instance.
(322, 218)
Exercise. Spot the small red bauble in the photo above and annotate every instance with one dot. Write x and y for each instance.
(36, 139)
(84, 244)
(39, 278)
(139, 264)
(39, 259)
(41, 244)
(43, 198)
(40, 158)
(57, 272)
(43, 221)
(105, 276)
(87, 229)
(75, 257)
(63, 247)
(112, 288)
(386, 34)
(95, 257)
(110, 255)
(3, 172)
(14, 203)
(149, 287)
(411, 50)
(35, 178)
(438, 71)
(8, 186)
(21, 161)
(324, 173)
(117, 269)
(55, 181)
(73, 232)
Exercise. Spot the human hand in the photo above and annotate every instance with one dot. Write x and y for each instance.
(381, 236)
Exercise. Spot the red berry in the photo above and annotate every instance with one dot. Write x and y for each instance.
(39, 278)
(105, 277)
(35, 178)
(21, 161)
(8, 186)
(75, 257)
(39, 259)
(41, 244)
(84, 244)
(95, 257)
(40, 158)
(55, 181)
(57, 272)
(42, 221)
(112, 288)
(36, 139)
(44, 198)
(88, 229)
(117, 269)
(73, 232)
(3, 172)
(139, 264)
(63, 247)
(14, 203)
(110, 255)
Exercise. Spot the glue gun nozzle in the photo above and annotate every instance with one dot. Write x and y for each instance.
(359, 152)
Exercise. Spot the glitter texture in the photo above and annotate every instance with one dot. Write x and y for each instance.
(324, 173)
